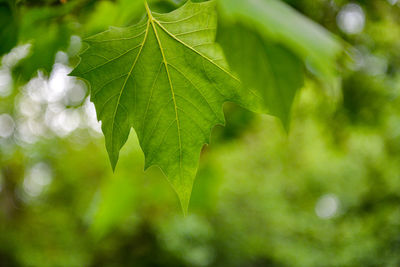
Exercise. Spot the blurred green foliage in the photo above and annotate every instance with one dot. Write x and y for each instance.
(325, 194)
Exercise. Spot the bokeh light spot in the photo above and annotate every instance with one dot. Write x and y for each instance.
(351, 19)
(36, 179)
(327, 206)
(7, 125)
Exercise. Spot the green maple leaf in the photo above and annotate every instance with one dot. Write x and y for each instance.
(166, 78)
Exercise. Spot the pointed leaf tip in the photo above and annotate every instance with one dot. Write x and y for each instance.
(184, 199)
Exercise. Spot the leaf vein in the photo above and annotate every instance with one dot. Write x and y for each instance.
(98, 66)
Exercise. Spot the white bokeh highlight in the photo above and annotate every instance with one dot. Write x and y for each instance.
(7, 125)
(37, 179)
(327, 206)
(351, 19)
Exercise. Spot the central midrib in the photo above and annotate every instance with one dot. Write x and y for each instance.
(151, 20)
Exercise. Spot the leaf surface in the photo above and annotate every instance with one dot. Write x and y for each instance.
(166, 78)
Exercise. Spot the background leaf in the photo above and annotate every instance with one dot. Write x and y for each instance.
(277, 23)
(280, 23)
(271, 69)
